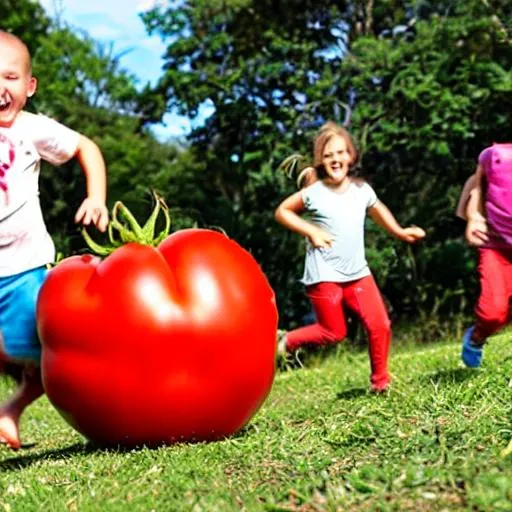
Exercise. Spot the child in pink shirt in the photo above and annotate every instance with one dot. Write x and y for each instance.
(490, 198)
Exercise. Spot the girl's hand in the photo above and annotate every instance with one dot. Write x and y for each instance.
(93, 210)
(320, 238)
(412, 234)
(476, 231)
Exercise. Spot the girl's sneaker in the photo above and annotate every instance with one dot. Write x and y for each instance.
(379, 390)
(380, 385)
(286, 360)
(471, 354)
(281, 342)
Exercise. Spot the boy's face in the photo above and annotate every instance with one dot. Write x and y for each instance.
(16, 80)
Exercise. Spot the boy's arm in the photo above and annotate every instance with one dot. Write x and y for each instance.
(476, 228)
(381, 215)
(287, 214)
(93, 208)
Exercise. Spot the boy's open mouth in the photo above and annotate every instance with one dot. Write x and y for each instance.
(5, 103)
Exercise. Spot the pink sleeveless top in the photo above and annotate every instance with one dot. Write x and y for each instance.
(496, 163)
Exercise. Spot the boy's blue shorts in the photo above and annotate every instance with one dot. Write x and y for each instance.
(18, 297)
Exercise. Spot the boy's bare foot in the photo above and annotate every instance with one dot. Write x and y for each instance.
(30, 390)
(9, 431)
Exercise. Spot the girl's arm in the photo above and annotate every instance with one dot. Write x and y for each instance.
(381, 214)
(474, 206)
(476, 228)
(467, 190)
(287, 214)
(93, 208)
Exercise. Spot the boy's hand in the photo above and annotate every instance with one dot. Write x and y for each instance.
(476, 231)
(412, 234)
(93, 210)
(320, 238)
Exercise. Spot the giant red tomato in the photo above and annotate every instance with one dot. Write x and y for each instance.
(159, 345)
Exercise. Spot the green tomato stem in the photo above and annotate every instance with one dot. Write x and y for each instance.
(123, 228)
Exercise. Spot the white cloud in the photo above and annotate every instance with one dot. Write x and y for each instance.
(122, 11)
(146, 5)
(104, 32)
(151, 43)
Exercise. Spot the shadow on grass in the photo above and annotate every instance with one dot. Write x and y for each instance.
(245, 432)
(349, 394)
(22, 461)
(450, 376)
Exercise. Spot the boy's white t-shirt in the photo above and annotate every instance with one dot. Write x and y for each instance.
(24, 240)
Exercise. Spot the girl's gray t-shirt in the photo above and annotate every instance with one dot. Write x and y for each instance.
(342, 216)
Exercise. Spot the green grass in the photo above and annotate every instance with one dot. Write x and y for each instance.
(437, 441)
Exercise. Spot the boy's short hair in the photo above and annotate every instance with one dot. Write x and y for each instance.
(4, 34)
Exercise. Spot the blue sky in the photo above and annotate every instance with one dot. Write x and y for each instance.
(118, 21)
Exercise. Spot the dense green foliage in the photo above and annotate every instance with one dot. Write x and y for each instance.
(439, 441)
(423, 85)
(428, 83)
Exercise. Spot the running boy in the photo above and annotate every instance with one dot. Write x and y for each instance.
(25, 245)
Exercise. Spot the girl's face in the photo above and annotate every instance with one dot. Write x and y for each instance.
(336, 160)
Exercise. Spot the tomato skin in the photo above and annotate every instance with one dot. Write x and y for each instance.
(153, 346)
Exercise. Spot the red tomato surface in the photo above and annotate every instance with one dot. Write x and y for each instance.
(161, 345)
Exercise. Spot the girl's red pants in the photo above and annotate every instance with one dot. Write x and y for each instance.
(361, 296)
(493, 306)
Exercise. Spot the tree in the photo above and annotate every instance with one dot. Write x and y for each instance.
(81, 84)
(430, 98)
(259, 68)
(17, 15)
(428, 84)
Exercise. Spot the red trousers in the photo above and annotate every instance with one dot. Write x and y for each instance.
(361, 296)
(493, 305)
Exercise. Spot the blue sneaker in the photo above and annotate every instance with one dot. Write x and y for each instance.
(471, 354)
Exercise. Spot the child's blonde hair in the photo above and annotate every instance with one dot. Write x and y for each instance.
(325, 134)
(306, 177)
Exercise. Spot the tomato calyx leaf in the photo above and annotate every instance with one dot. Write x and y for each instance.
(123, 228)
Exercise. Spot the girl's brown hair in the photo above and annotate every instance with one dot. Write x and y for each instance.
(325, 134)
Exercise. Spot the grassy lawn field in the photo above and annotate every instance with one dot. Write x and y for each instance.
(438, 441)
